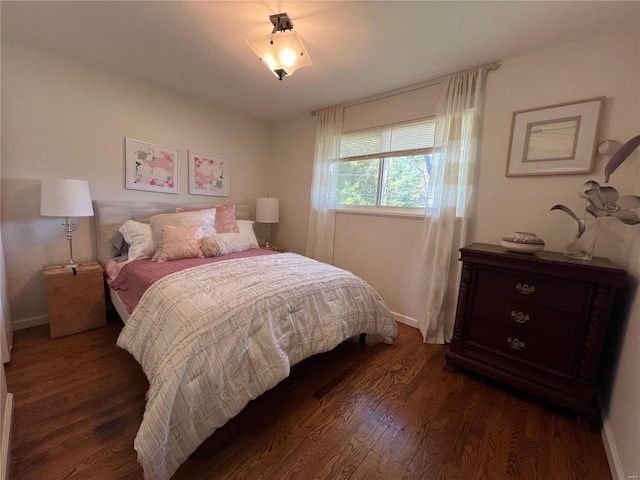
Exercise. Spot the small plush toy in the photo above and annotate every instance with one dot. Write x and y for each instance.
(209, 247)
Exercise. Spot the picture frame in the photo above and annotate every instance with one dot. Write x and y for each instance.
(556, 139)
(208, 175)
(151, 167)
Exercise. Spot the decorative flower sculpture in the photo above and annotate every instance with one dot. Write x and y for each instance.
(606, 201)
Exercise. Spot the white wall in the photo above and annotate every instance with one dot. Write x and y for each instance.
(608, 65)
(62, 118)
(292, 147)
(374, 248)
(622, 429)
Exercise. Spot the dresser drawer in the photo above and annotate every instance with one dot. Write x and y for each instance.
(525, 317)
(553, 292)
(524, 347)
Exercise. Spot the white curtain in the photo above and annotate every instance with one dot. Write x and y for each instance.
(6, 331)
(449, 197)
(324, 185)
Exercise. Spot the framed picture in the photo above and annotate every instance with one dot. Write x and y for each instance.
(208, 175)
(151, 167)
(557, 139)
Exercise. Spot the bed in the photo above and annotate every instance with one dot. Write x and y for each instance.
(213, 333)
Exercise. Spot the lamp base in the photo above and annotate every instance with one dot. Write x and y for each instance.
(68, 228)
(268, 244)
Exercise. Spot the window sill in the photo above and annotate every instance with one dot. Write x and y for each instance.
(408, 213)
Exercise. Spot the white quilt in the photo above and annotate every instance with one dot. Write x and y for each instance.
(214, 337)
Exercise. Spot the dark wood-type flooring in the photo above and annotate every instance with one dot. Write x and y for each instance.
(359, 412)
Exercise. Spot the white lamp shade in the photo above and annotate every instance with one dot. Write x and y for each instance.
(267, 210)
(281, 51)
(65, 198)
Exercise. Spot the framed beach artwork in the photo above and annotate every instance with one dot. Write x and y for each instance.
(556, 139)
(208, 175)
(151, 167)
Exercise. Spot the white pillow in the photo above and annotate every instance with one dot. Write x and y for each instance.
(207, 218)
(139, 237)
(224, 244)
(246, 228)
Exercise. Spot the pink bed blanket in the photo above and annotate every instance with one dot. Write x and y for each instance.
(134, 278)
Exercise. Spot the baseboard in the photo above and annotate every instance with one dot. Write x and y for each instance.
(412, 322)
(5, 444)
(615, 466)
(30, 322)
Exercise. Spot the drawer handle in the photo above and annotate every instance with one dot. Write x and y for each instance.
(515, 343)
(525, 289)
(520, 317)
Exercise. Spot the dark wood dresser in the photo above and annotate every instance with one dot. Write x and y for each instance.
(535, 322)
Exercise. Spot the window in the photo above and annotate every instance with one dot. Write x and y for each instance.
(387, 166)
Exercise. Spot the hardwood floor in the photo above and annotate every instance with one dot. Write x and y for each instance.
(359, 412)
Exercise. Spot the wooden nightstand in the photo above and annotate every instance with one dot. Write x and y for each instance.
(273, 248)
(535, 322)
(75, 298)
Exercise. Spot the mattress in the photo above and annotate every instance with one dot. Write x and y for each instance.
(118, 304)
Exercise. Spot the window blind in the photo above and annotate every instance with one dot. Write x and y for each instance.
(403, 139)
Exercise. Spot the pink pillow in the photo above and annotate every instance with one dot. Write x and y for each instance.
(225, 217)
(181, 241)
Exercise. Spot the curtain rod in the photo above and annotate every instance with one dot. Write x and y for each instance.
(410, 88)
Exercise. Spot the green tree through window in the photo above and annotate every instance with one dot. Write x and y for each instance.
(386, 166)
(390, 182)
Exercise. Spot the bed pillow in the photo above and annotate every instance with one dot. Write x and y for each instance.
(140, 239)
(225, 217)
(121, 249)
(224, 244)
(206, 218)
(246, 228)
(180, 241)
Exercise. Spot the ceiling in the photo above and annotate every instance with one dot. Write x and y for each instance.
(358, 48)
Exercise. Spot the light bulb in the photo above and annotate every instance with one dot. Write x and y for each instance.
(287, 57)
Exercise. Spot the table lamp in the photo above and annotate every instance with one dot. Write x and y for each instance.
(66, 198)
(267, 212)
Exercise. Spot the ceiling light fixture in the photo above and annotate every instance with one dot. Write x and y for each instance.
(282, 51)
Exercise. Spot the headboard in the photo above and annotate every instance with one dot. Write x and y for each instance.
(110, 215)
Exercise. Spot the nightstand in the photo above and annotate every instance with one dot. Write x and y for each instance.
(535, 322)
(273, 248)
(75, 298)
